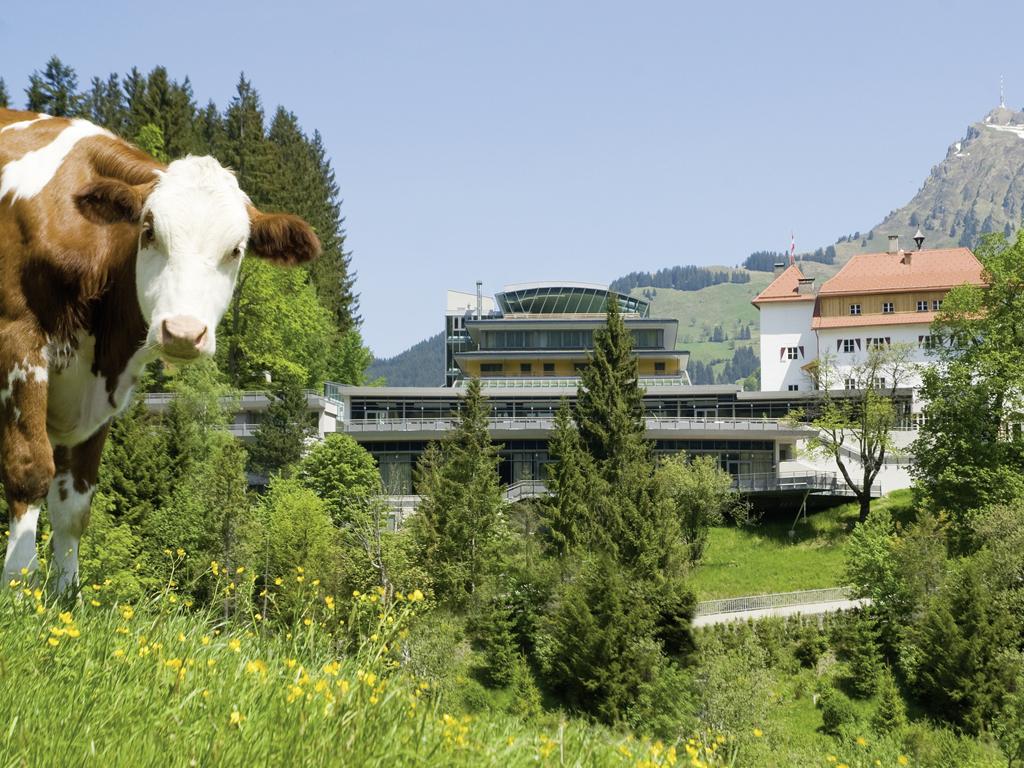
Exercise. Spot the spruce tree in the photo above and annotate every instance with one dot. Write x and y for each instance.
(610, 410)
(891, 713)
(566, 509)
(55, 90)
(281, 435)
(460, 516)
(104, 104)
(4, 97)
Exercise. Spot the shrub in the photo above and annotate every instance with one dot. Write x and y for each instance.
(811, 644)
(837, 711)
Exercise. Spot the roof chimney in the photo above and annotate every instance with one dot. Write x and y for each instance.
(479, 299)
(906, 257)
(805, 285)
(778, 267)
(894, 243)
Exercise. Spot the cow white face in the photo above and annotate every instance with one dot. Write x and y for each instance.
(195, 227)
(195, 223)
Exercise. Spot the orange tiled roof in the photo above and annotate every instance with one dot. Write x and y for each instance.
(857, 321)
(887, 272)
(784, 288)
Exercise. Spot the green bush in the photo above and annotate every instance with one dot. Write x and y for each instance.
(811, 644)
(837, 711)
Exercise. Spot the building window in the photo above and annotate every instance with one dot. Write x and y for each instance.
(849, 345)
(491, 367)
(855, 309)
(793, 387)
(936, 305)
(659, 367)
(850, 384)
(880, 382)
(549, 367)
(526, 367)
(888, 307)
(881, 341)
(792, 353)
(579, 367)
(922, 305)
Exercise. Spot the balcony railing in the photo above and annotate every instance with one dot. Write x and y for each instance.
(547, 422)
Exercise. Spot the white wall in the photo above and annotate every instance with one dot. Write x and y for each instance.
(786, 324)
(843, 362)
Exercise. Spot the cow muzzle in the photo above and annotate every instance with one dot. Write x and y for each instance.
(182, 337)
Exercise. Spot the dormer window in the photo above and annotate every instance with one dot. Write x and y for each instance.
(855, 309)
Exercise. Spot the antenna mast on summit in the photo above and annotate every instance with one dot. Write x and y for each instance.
(1002, 96)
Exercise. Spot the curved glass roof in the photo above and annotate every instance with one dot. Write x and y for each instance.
(564, 299)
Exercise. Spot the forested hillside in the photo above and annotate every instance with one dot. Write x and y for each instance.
(301, 325)
(422, 365)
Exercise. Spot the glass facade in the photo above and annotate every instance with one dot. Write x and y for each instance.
(565, 300)
(643, 338)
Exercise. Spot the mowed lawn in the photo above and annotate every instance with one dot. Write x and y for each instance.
(763, 558)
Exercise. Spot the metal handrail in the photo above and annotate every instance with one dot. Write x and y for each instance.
(416, 423)
(772, 600)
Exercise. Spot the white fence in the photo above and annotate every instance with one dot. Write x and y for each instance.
(774, 600)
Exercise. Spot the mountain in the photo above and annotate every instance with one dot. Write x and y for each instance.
(421, 365)
(977, 188)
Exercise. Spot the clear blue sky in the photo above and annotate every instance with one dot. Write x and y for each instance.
(517, 141)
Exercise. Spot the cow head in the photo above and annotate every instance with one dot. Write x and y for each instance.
(195, 224)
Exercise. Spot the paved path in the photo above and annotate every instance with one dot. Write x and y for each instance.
(807, 609)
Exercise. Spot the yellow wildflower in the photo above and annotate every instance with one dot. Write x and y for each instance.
(118, 653)
(127, 612)
(758, 733)
(237, 718)
(416, 596)
(235, 644)
(95, 603)
(861, 741)
(278, 581)
(180, 552)
(53, 641)
(902, 760)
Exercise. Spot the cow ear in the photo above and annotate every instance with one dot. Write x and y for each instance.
(109, 201)
(282, 238)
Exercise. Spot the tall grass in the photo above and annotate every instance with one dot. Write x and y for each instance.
(161, 684)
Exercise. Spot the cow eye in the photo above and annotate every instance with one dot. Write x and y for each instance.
(147, 234)
(237, 252)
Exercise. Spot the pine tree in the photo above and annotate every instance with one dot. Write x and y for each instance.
(55, 90)
(104, 104)
(281, 434)
(459, 520)
(246, 149)
(566, 510)
(609, 410)
(891, 714)
(4, 97)
(860, 650)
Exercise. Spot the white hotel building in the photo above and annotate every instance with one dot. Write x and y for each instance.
(876, 298)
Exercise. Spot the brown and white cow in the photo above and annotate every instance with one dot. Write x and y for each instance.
(107, 260)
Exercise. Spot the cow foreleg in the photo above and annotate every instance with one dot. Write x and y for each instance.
(26, 458)
(68, 504)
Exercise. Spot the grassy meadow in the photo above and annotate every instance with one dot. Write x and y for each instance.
(763, 558)
(160, 684)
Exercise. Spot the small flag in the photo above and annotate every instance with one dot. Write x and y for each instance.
(792, 248)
